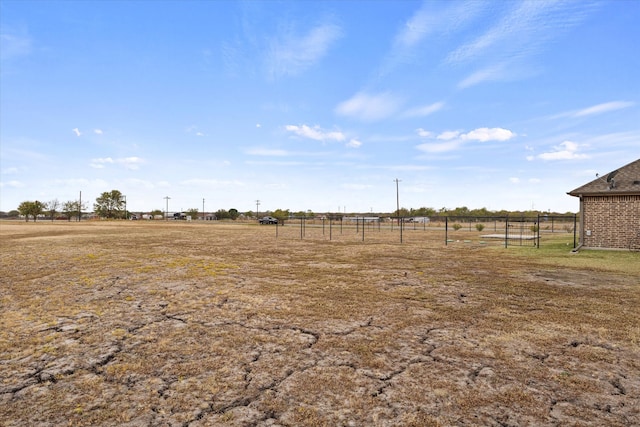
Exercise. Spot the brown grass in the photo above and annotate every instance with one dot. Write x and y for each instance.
(163, 323)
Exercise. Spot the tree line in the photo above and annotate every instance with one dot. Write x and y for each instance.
(112, 205)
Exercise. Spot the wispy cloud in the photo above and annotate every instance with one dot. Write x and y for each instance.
(266, 152)
(131, 163)
(315, 133)
(515, 37)
(567, 150)
(291, 54)
(369, 107)
(13, 45)
(453, 140)
(354, 143)
(98, 131)
(603, 108)
(12, 184)
(432, 19)
(76, 131)
(424, 110)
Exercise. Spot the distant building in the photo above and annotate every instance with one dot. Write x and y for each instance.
(610, 208)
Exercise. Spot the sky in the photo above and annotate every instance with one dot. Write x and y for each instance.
(316, 105)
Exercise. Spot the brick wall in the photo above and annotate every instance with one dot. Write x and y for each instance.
(610, 220)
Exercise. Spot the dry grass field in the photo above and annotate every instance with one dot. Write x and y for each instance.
(185, 324)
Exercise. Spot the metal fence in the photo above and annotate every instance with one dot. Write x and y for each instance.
(511, 230)
(504, 231)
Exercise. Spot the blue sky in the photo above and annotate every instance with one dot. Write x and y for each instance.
(316, 105)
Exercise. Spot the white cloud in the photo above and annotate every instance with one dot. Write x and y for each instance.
(291, 55)
(454, 139)
(440, 147)
(131, 163)
(567, 150)
(315, 133)
(12, 184)
(535, 180)
(424, 110)
(424, 133)
(369, 107)
(99, 163)
(603, 108)
(489, 134)
(98, 131)
(266, 152)
(76, 131)
(447, 135)
(258, 125)
(514, 180)
(354, 143)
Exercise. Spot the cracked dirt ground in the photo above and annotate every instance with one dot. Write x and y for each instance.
(149, 324)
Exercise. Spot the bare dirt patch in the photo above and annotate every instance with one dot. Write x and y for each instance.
(207, 324)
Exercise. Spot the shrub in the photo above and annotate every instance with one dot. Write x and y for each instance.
(456, 226)
(479, 227)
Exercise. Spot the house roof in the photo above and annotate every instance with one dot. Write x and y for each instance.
(625, 180)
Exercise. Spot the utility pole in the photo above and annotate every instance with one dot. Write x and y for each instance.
(203, 217)
(80, 206)
(397, 200)
(166, 211)
(257, 210)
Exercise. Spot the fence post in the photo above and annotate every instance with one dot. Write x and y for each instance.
(330, 228)
(575, 224)
(506, 231)
(446, 230)
(538, 231)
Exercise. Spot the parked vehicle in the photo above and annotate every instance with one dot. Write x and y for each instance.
(268, 220)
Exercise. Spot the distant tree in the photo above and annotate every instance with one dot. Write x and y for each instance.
(156, 212)
(25, 209)
(234, 214)
(193, 213)
(404, 212)
(222, 214)
(33, 209)
(52, 207)
(281, 215)
(13, 213)
(249, 214)
(71, 208)
(480, 212)
(423, 212)
(109, 204)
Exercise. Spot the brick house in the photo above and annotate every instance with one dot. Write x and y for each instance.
(610, 208)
